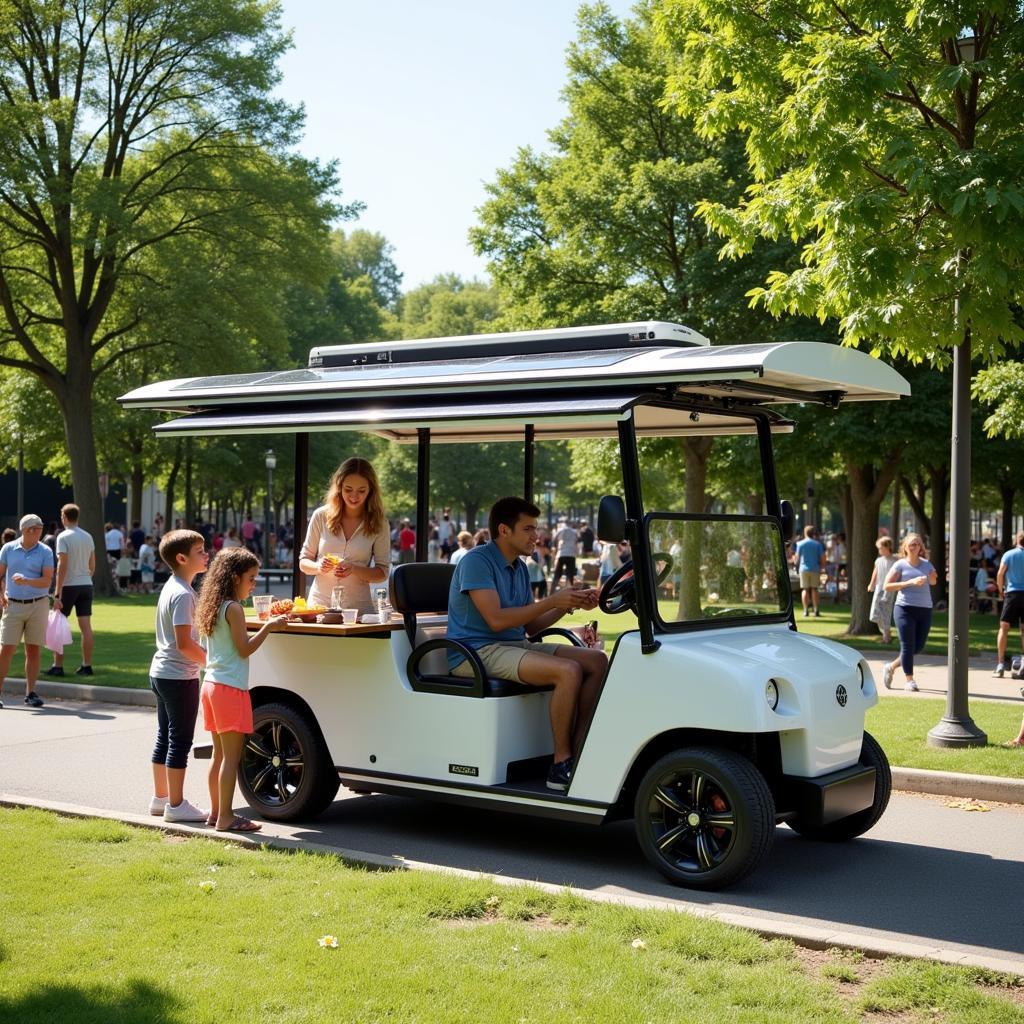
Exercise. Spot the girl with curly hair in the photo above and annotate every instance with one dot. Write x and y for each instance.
(348, 543)
(227, 707)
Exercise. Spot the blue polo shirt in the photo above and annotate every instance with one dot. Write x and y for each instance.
(31, 563)
(1014, 562)
(485, 568)
(809, 552)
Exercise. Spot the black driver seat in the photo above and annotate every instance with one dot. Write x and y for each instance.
(420, 588)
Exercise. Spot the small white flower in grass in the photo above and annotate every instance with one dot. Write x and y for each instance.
(215, 867)
(515, 949)
(208, 886)
(638, 944)
(329, 942)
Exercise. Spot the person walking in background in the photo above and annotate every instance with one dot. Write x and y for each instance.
(76, 566)
(1010, 583)
(912, 578)
(406, 543)
(446, 534)
(465, 544)
(810, 560)
(113, 540)
(882, 600)
(227, 707)
(174, 675)
(147, 564)
(565, 541)
(27, 566)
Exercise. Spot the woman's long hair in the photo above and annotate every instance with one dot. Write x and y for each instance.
(220, 583)
(373, 510)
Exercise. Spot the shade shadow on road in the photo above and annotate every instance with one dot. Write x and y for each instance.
(939, 896)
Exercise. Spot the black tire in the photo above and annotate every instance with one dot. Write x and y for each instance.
(286, 773)
(705, 817)
(871, 755)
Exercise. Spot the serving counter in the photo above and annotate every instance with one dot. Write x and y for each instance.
(298, 628)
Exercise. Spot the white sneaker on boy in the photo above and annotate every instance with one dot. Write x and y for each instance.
(184, 812)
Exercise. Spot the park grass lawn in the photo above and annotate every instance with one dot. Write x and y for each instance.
(901, 725)
(147, 928)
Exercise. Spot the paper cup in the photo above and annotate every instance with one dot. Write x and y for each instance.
(350, 616)
(262, 603)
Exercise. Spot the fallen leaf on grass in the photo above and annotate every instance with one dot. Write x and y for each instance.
(638, 944)
(964, 804)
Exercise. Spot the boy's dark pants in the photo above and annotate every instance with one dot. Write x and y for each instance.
(177, 705)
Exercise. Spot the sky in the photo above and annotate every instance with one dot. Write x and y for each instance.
(421, 102)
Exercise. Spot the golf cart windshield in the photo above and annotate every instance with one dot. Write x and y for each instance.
(711, 568)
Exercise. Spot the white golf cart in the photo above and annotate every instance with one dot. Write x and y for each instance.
(717, 720)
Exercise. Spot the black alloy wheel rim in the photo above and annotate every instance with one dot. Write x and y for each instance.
(272, 763)
(691, 820)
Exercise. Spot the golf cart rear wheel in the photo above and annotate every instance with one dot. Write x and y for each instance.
(286, 772)
(873, 756)
(705, 817)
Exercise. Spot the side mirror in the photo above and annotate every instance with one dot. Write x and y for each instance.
(611, 519)
(788, 519)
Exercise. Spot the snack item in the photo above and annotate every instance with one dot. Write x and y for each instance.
(282, 607)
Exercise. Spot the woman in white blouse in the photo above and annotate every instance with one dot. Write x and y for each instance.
(348, 543)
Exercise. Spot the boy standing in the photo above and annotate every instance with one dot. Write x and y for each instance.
(1010, 583)
(174, 675)
(810, 560)
(76, 564)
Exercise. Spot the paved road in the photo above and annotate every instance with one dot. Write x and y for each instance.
(934, 875)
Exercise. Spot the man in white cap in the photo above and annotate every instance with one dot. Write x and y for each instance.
(27, 569)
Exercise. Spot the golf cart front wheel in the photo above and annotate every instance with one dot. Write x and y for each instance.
(286, 772)
(705, 817)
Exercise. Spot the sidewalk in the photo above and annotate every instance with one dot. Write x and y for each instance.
(931, 674)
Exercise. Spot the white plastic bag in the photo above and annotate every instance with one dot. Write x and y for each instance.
(58, 631)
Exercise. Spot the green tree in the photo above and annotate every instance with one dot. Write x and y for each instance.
(448, 307)
(1001, 388)
(142, 155)
(891, 138)
(605, 227)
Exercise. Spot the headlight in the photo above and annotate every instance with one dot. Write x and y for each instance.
(860, 673)
(771, 694)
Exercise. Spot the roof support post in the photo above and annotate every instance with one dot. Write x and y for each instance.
(773, 503)
(301, 510)
(422, 491)
(528, 463)
(637, 535)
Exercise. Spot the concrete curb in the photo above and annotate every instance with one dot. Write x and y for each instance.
(84, 691)
(801, 935)
(975, 787)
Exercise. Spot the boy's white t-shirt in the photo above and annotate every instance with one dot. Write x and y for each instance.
(176, 607)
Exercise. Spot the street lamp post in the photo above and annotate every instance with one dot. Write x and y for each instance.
(271, 461)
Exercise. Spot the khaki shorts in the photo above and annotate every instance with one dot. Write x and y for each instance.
(28, 620)
(501, 661)
(810, 580)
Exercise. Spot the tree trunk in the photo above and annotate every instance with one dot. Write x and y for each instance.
(939, 477)
(172, 479)
(695, 452)
(190, 509)
(135, 513)
(868, 487)
(894, 528)
(78, 432)
(916, 501)
(1007, 492)
(471, 511)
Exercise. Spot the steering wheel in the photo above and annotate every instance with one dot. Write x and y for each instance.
(619, 591)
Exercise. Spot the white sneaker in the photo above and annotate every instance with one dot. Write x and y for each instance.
(910, 686)
(157, 805)
(184, 812)
(887, 676)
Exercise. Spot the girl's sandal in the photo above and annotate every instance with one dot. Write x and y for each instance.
(211, 821)
(1014, 743)
(240, 824)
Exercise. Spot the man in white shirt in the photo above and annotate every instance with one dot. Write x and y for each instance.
(113, 541)
(76, 565)
(565, 555)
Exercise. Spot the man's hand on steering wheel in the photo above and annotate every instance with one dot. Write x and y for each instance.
(619, 591)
